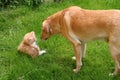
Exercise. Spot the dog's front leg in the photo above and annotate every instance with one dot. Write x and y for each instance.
(68, 32)
(78, 51)
(83, 49)
(78, 55)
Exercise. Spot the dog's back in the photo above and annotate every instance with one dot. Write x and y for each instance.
(92, 24)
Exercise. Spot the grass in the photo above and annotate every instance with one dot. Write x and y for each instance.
(56, 64)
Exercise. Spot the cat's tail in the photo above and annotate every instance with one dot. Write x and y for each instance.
(42, 52)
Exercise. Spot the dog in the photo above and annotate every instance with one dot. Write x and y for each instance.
(81, 25)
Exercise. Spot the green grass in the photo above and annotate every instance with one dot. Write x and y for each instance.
(56, 64)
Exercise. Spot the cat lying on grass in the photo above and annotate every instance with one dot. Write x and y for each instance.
(29, 46)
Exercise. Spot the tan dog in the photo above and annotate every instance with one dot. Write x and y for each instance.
(81, 25)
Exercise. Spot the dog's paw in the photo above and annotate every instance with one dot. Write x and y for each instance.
(42, 52)
(73, 58)
(75, 70)
(111, 74)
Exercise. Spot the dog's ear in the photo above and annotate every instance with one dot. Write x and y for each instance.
(46, 26)
(49, 29)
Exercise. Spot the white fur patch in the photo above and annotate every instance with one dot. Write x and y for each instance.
(34, 44)
(73, 58)
(111, 74)
(42, 52)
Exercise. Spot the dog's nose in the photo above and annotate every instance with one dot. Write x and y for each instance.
(44, 38)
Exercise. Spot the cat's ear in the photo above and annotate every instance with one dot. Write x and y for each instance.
(32, 32)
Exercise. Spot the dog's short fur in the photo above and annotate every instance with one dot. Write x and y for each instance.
(29, 46)
(81, 25)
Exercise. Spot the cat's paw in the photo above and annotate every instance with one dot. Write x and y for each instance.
(42, 52)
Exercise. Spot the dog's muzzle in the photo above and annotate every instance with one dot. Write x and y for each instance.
(44, 38)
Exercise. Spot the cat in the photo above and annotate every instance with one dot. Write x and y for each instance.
(29, 46)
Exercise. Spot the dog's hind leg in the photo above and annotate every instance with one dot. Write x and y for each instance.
(115, 52)
(117, 66)
(83, 48)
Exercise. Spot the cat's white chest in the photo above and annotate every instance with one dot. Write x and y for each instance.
(34, 44)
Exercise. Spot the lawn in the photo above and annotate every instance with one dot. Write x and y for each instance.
(56, 64)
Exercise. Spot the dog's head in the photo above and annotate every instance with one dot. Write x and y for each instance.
(46, 31)
(50, 27)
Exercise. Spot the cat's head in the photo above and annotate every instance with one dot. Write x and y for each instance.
(30, 38)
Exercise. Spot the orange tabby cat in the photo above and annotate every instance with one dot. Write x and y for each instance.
(29, 46)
